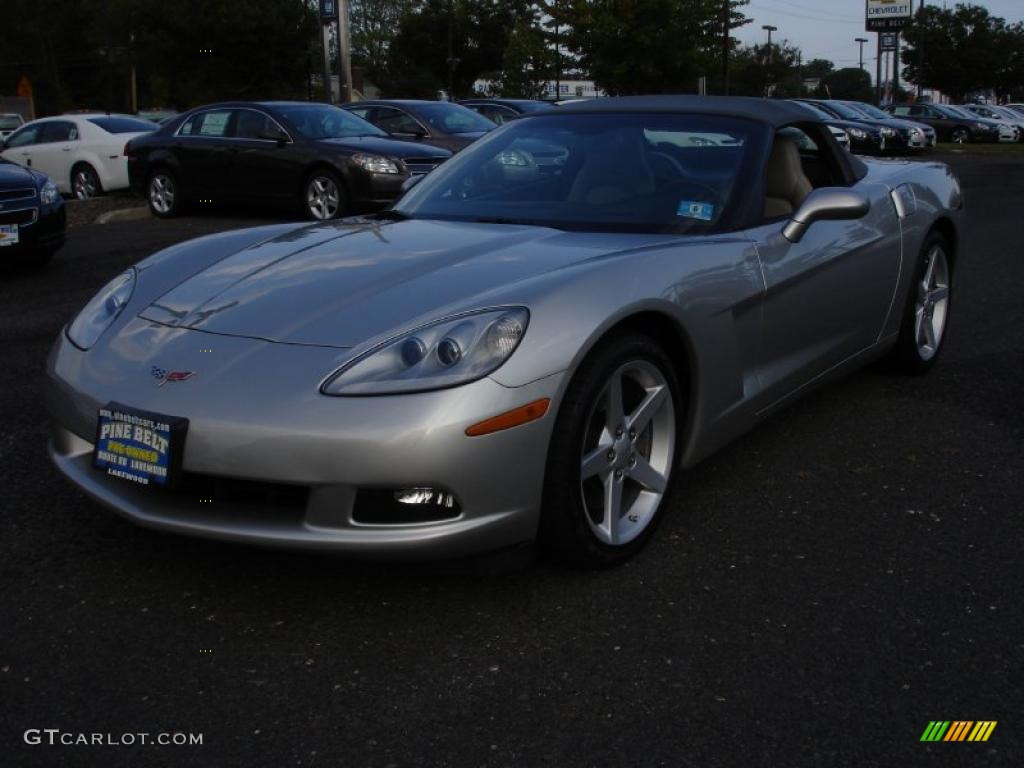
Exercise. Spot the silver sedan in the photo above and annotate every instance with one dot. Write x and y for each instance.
(535, 342)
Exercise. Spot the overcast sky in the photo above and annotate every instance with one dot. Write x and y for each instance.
(825, 29)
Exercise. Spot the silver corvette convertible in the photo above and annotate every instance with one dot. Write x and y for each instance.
(535, 342)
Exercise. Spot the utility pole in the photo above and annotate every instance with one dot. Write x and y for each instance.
(452, 61)
(861, 40)
(896, 68)
(767, 70)
(344, 52)
(878, 76)
(725, 47)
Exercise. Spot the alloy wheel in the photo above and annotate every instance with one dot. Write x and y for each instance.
(85, 184)
(161, 193)
(322, 197)
(627, 453)
(932, 307)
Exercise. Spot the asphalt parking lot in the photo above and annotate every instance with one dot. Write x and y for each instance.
(821, 590)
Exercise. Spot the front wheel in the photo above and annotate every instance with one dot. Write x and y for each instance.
(613, 453)
(323, 196)
(961, 136)
(926, 314)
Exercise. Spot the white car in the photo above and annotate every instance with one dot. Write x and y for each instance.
(83, 154)
(9, 123)
(999, 115)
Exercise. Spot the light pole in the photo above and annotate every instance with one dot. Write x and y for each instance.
(861, 40)
(767, 69)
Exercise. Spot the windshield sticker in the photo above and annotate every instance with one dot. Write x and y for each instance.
(689, 209)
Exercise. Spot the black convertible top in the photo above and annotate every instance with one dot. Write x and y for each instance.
(775, 112)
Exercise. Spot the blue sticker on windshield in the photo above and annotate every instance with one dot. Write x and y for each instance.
(693, 210)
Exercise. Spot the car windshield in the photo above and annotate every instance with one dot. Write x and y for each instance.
(115, 124)
(453, 118)
(821, 113)
(870, 111)
(9, 122)
(533, 106)
(320, 121)
(844, 111)
(603, 172)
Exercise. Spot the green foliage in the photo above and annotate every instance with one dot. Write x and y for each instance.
(528, 63)
(758, 70)
(850, 84)
(480, 30)
(79, 53)
(963, 49)
(374, 25)
(646, 46)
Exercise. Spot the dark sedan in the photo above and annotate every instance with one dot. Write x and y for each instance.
(32, 218)
(327, 161)
(435, 123)
(500, 111)
(865, 139)
(908, 135)
(948, 124)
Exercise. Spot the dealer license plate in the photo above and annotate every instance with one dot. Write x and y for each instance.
(8, 234)
(139, 446)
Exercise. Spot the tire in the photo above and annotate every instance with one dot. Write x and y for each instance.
(960, 136)
(85, 182)
(323, 196)
(594, 454)
(163, 193)
(926, 313)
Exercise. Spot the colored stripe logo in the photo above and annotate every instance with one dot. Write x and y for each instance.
(959, 730)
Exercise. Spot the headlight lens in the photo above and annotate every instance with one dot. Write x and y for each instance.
(374, 163)
(443, 354)
(982, 126)
(49, 195)
(857, 133)
(103, 310)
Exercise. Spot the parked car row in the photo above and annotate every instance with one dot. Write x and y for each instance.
(954, 124)
(872, 131)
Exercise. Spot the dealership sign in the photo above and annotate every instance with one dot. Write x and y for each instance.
(888, 14)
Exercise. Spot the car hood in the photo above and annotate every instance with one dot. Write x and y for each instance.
(384, 146)
(341, 284)
(15, 175)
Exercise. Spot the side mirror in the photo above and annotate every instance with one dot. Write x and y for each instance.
(277, 136)
(826, 204)
(411, 182)
(410, 134)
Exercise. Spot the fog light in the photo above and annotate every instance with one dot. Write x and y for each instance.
(425, 496)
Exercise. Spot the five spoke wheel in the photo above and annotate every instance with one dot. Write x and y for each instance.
(627, 452)
(323, 198)
(162, 194)
(932, 305)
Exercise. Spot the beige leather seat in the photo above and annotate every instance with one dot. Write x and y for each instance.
(787, 184)
(615, 169)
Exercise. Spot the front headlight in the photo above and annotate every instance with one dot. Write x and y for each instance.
(103, 310)
(447, 353)
(49, 195)
(857, 133)
(983, 127)
(374, 163)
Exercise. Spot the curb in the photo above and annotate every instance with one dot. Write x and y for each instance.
(124, 214)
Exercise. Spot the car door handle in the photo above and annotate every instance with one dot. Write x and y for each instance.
(66, 149)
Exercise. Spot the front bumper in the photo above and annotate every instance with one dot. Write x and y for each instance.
(257, 418)
(40, 228)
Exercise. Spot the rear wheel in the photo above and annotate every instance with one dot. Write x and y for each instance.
(960, 136)
(163, 193)
(613, 454)
(926, 314)
(85, 182)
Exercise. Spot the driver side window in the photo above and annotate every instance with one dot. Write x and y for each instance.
(796, 167)
(24, 137)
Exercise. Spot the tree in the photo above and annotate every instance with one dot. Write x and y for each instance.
(963, 49)
(646, 46)
(374, 25)
(849, 83)
(762, 70)
(527, 64)
(480, 29)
